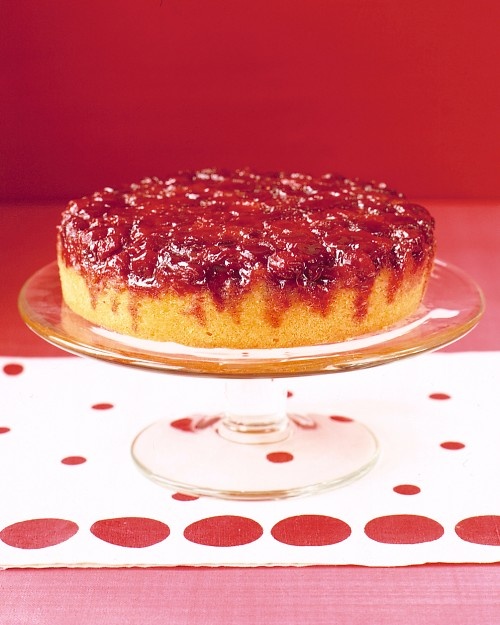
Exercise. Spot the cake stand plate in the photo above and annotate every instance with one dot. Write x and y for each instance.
(452, 306)
(255, 450)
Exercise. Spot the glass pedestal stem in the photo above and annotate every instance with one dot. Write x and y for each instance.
(255, 411)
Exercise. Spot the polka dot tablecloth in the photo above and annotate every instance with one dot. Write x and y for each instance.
(71, 495)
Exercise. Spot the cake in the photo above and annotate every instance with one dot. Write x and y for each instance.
(240, 259)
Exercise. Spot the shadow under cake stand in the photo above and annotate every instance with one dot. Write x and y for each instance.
(254, 449)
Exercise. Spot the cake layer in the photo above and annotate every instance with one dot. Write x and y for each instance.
(196, 321)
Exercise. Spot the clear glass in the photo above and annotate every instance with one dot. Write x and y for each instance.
(255, 450)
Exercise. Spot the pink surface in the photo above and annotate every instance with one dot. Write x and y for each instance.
(323, 596)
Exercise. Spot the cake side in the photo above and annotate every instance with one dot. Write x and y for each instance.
(197, 321)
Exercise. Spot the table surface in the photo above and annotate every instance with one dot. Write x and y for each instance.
(468, 235)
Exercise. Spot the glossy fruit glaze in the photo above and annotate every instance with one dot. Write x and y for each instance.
(224, 231)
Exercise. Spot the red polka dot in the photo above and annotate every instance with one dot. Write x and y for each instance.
(102, 406)
(38, 533)
(279, 456)
(311, 530)
(4, 430)
(185, 424)
(481, 530)
(439, 396)
(184, 497)
(406, 489)
(289, 394)
(74, 460)
(341, 419)
(403, 529)
(13, 369)
(223, 531)
(134, 532)
(453, 445)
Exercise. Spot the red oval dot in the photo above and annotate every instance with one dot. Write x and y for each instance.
(481, 530)
(403, 529)
(406, 489)
(439, 396)
(13, 368)
(453, 445)
(223, 531)
(289, 394)
(134, 532)
(4, 430)
(184, 497)
(279, 456)
(102, 406)
(341, 419)
(74, 460)
(311, 530)
(185, 424)
(38, 533)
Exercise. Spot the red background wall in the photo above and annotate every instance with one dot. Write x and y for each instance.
(100, 92)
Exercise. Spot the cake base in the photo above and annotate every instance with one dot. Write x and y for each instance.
(195, 320)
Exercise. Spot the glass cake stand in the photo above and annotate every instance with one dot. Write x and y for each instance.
(254, 449)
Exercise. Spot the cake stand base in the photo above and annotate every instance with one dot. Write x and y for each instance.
(193, 457)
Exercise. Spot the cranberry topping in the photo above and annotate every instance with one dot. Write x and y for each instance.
(224, 231)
